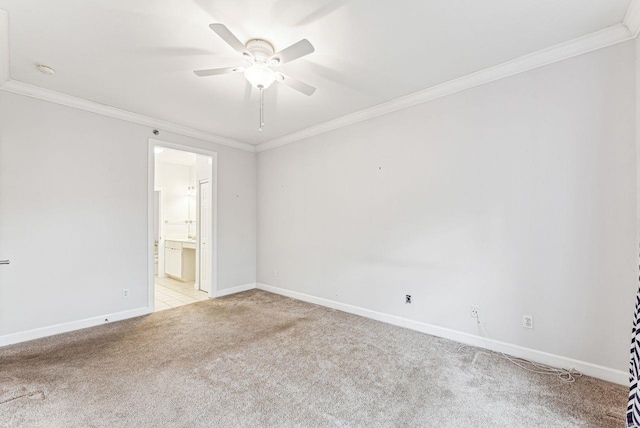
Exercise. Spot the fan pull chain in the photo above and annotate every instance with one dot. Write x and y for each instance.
(261, 110)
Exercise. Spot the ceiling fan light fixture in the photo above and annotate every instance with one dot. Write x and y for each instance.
(279, 76)
(274, 61)
(260, 76)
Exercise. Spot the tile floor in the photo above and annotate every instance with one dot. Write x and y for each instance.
(171, 293)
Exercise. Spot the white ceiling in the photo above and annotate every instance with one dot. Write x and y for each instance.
(139, 55)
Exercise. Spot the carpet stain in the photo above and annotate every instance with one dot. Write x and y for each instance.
(32, 395)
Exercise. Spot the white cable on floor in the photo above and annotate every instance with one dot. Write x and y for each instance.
(565, 375)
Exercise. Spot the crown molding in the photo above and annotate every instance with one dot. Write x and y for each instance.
(40, 93)
(600, 39)
(16, 87)
(628, 29)
(632, 18)
(4, 47)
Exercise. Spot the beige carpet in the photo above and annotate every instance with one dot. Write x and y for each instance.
(256, 359)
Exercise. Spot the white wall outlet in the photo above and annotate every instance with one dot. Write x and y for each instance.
(473, 311)
(527, 321)
(125, 293)
(275, 273)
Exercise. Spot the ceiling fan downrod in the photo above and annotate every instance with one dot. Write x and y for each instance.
(261, 110)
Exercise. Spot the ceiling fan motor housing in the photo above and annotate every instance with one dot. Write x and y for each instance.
(261, 49)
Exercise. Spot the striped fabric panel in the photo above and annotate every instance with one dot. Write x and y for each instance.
(633, 410)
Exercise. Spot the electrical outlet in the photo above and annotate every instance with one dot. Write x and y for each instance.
(473, 311)
(275, 273)
(527, 321)
(407, 298)
(125, 293)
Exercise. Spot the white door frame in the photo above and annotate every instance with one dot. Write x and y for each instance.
(198, 229)
(213, 239)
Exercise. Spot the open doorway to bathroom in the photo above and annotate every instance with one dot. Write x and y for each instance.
(182, 211)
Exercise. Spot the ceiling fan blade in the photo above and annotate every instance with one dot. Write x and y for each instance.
(295, 51)
(231, 40)
(295, 84)
(217, 71)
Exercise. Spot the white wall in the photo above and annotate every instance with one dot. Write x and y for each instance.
(73, 219)
(178, 206)
(203, 168)
(518, 196)
(175, 180)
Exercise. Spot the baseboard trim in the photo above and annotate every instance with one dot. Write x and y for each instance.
(234, 290)
(589, 369)
(66, 327)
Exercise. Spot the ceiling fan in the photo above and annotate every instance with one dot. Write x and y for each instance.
(261, 57)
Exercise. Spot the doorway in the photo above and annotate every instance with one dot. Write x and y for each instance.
(182, 225)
